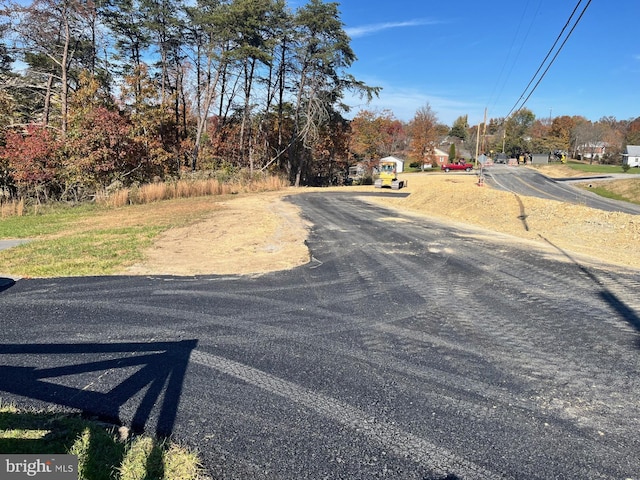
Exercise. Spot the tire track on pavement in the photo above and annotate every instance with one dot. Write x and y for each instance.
(404, 444)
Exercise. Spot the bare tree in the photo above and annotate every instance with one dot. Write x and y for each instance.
(588, 139)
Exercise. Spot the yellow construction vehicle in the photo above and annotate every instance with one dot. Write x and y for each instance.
(387, 176)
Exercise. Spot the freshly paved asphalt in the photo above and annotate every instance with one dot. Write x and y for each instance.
(527, 182)
(405, 349)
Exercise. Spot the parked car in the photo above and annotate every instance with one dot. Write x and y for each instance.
(502, 158)
(462, 165)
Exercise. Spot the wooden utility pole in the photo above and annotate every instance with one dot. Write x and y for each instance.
(484, 123)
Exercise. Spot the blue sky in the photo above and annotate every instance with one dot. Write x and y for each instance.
(463, 56)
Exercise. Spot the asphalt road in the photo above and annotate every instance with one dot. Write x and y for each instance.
(406, 349)
(528, 182)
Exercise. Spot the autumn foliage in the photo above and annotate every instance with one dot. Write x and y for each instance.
(33, 161)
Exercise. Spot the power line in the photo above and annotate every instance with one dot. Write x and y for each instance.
(547, 56)
(500, 83)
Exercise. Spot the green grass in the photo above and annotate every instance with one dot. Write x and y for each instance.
(102, 454)
(603, 192)
(99, 252)
(92, 240)
(49, 221)
(596, 168)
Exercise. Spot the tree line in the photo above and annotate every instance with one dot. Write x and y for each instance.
(135, 90)
(95, 94)
(574, 136)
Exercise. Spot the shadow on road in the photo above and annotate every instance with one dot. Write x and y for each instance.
(629, 315)
(157, 380)
(6, 283)
(523, 214)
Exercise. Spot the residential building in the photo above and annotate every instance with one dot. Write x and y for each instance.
(631, 156)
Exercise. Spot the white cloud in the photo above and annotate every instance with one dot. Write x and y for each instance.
(405, 102)
(364, 30)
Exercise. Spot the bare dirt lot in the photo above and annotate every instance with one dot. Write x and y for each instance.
(260, 233)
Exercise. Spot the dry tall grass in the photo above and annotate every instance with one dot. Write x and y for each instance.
(155, 192)
(12, 208)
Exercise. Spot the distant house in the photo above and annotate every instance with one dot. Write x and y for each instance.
(631, 156)
(437, 159)
(593, 150)
(399, 163)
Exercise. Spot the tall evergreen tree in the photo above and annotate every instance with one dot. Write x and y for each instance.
(52, 34)
(126, 21)
(460, 128)
(322, 54)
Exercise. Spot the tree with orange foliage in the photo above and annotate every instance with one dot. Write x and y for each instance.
(561, 128)
(633, 133)
(375, 135)
(423, 130)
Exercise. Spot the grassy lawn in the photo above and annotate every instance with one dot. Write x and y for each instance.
(596, 168)
(47, 221)
(102, 454)
(92, 240)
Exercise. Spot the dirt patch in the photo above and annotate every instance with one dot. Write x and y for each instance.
(250, 234)
(563, 227)
(262, 233)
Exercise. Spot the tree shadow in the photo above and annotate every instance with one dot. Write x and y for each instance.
(100, 449)
(523, 214)
(102, 452)
(161, 367)
(626, 312)
(6, 283)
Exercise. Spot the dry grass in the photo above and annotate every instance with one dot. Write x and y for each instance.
(12, 208)
(102, 452)
(244, 234)
(624, 188)
(155, 192)
(159, 191)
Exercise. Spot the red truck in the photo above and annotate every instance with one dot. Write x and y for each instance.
(462, 165)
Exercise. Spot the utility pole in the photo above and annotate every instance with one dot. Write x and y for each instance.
(478, 135)
(504, 136)
(484, 133)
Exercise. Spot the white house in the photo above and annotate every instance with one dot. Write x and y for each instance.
(631, 156)
(593, 149)
(399, 163)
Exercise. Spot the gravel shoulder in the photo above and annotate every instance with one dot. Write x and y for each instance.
(264, 233)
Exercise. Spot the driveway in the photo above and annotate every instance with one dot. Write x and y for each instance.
(4, 244)
(406, 349)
